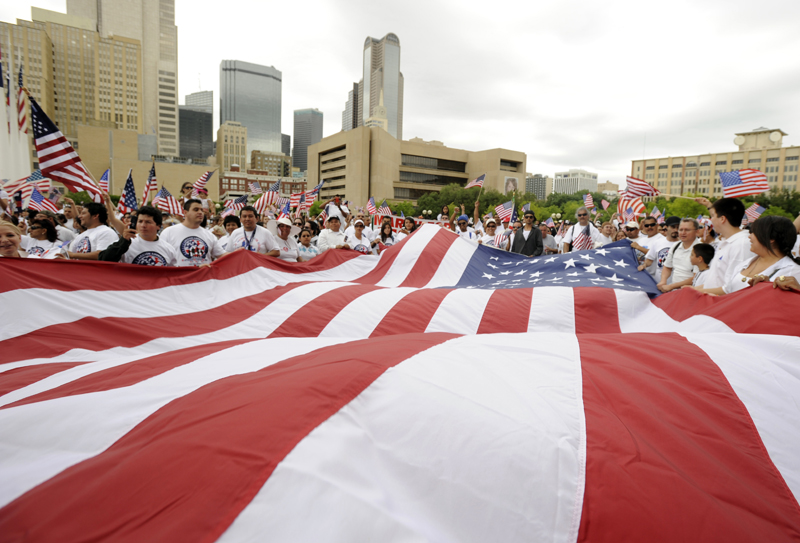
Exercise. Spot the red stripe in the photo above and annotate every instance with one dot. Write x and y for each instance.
(188, 492)
(98, 334)
(21, 377)
(312, 318)
(130, 373)
(384, 264)
(412, 313)
(591, 303)
(653, 412)
(507, 311)
(429, 260)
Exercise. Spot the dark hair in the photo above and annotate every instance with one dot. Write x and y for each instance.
(730, 208)
(230, 219)
(97, 209)
(249, 208)
(51, 233)
(383, 228)
(413, 224)
(778, 229)
(314, 227)
(310, 234)
(704, 251)
(188, 203)
(151, 212)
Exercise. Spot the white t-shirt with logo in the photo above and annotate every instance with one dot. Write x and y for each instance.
(659, 248)
(361, 245)
(680, 260)
(259, 240)
(150, 253)
(37, 247)
(94, 239)
(288, 248)
(194, 246)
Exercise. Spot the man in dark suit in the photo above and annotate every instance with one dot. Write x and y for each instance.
(528, 239)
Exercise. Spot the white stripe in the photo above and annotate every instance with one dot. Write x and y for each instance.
(637, 314)
(552, 310)
(460, 312)
(48, 138)
(477, 439)
(764, 371)
(361, 316)
(42, 439)
(409, 254)
(452, 266)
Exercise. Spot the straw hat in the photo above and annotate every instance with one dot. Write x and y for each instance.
(272, 226)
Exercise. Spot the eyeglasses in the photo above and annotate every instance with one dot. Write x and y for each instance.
(583, 215)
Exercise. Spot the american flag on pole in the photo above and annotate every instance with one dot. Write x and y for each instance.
(262, 204)
(271, 194)
(384, 209)
(477, 182)
(255, 188)
(583, 240)
(605, 204)
(103, 181)
(166, 202)
(371, 209)
(238, 203)
(754, 212)
(588, 201)
(743, 183)
(127, 200)
(286, 211)
(280, 202)
(629, 215)
(504, 211)
(39, 203)
(549, 222)
(355, 398)
(22, 117)
(151, 185)
(57, 159)
(657, 215)
(526, 208)
(203, 180)
(638, 187)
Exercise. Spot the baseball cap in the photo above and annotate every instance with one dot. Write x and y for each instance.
(632, 224)
(672, 221)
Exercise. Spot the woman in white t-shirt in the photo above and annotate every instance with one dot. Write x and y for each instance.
(284, 232)
(386, 238)
(359, 240)
(42, 236)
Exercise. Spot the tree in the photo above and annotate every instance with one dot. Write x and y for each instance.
(682, 207)
(775, 210)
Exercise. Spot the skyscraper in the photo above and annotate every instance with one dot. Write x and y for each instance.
(286, 144)
(197, 136)
(307, 131)
(250, 94)
(350, 115)
(382, 73)
(152, 23)
(201, 101)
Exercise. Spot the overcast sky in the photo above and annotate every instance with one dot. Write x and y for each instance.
(573, 84)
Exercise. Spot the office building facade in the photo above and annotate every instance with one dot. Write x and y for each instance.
(760, 149)
(351, 115)
(276, 164)
(197, 133)
(573, 181)
(540, 185)
(152, 24)
(381, 72)
(201, 101)
(231, 146)
(250, 94)
(286, 144)
(307, 131)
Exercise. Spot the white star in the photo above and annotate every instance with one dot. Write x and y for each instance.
(521, 272)
(601, 252)
(492, 266)
(517, 280)
(574, 274)
(494, 258)
(620, 263)
(551, 259)
(586, 257)
(615, 278)
(537, 274)
(505, 272)
(506, 263)
(591, 268)
(574, 280)
(488, 276)
(569, 263)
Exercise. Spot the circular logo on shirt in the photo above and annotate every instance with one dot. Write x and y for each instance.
(83, 246)
(194, 248)
(662, 256)
(150, 258)
(36, 251)
(362, 249)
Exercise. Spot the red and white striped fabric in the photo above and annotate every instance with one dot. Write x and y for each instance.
(362, 398)
(633, 203)
(639, 187)
(203, 180)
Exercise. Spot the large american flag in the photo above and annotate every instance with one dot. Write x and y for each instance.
(638, 187)
(440, 392)
(743, 183)
(754, 212)
(477, 182)
(39, 203)
(504, 211)
(127, 200)
(165, 201)
(203, 180)
(237, 203)
(255, 188)
(151, 185)
(57, 159)
(635, 204)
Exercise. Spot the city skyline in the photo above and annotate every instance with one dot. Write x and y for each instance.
(580, 86)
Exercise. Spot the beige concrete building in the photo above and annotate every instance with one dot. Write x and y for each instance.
(231, 146)
(236, 182)
(365, 162)
(538, 184)
(608, 188)
(574, 180)
(117, 150)
(760, 149)
(276, 164)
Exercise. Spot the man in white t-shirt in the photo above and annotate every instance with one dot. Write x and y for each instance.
(252, 237)
(644, 242)
(350, 231)
(678, 268)
(733, 247)
(606, 232)
(657, 245)
(97, 237)
(142, 245)
(548, 241)
(465, 231)
(195, 246)
(331, 237)
(582, 214)
(335, 207)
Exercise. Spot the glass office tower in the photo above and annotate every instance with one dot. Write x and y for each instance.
(307, 131)
(251, 95)
(382, 72)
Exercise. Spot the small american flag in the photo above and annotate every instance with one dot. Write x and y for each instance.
(638, 187)
(504, 211)
(271, 195)
(22, 117)
(294, 199)
(629, 215)
(166, 202)
(384, 209)
(57, 159)
(754, 212)
(203, 181)
(282, 201)
(255, 188)
(127, 200)
(40, 203)
(656, 213)
(588, 201)
(477, 182)
(743, 183)
(604, 203)
(238, 203)
(151, 185)
(549, 222)
(103, 181)
(285, 211)
(583, 240)
(526, 208)
(371, 209)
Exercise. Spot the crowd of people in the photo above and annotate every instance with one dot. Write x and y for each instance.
(717, 257)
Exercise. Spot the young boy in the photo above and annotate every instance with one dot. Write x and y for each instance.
(702, 254)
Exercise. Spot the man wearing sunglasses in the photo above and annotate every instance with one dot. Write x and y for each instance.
(644, 243)
(582, 214)
(528, 239)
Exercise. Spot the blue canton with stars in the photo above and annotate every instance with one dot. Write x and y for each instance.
(610, 267)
